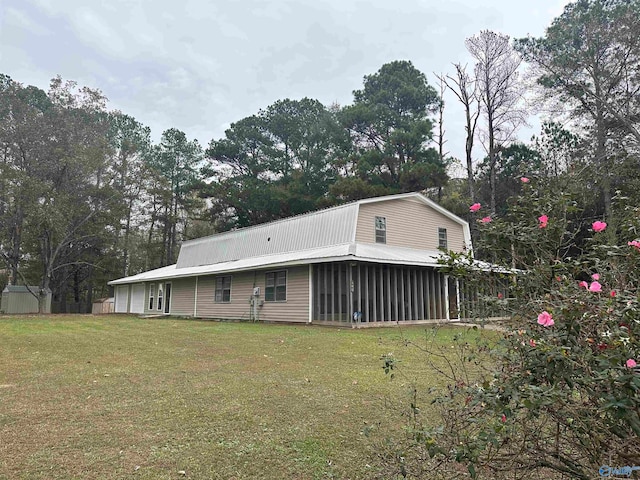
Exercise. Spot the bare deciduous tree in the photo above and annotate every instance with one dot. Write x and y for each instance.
(500, 93)
(464, 87)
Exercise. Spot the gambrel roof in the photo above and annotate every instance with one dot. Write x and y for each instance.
(320, 236)
(322, 228)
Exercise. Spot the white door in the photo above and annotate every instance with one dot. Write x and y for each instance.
(137, 298)
(122, 298)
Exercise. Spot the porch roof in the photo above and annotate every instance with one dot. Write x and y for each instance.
(344, 252)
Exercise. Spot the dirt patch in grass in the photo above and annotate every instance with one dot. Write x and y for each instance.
(112, 397)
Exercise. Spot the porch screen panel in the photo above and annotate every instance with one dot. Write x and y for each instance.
(366, 292)
(421, 292)
(395, 294)
(438, 291)
(381, 296)
(409, 291)
(432, 295)
(416, 303)
(388, 284)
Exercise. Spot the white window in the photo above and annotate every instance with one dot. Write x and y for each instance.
(160, 297)
(223, 289)
(276, 286)
(381, 230)
(442, 238)
(152, 293)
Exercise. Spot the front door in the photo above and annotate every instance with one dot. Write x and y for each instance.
(167, 297)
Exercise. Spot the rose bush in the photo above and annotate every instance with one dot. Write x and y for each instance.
(560, 393)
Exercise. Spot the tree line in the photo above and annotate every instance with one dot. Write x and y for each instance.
(86, 196)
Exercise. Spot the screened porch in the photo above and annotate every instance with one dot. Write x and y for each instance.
(356, 292)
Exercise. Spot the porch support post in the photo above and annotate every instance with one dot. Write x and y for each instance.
(458, 298)
(446, 297)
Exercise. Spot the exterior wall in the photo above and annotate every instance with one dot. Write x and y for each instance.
(241, 289)
(183, 292)
(294, 309)
(410, 223)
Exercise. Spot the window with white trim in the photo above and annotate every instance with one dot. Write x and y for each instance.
(381, 230)
(160, 297)
(442, 238)
(152, 295)
(275, 289)
(223, 289)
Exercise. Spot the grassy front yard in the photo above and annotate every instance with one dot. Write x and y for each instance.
(113, 397)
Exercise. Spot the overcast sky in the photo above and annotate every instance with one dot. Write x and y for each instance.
(200, 65)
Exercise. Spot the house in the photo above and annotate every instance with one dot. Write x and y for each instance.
(370, 261)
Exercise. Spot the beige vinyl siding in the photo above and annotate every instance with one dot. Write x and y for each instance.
(410, 223)
(295, 309)
(238, 308)
(183, 296)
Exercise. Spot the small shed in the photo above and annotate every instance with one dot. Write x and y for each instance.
(103, 305)
(18, 299)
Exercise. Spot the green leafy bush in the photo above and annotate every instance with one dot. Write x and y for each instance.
(559, 395)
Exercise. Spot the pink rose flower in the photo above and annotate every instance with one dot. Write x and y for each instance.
(598, 226)
(475, 207)
(543, 219)
(545, 319)
(486, 220)
(631, 363)
(613, 293)
(583, 284)
(532, 343)
(634, 243)
(595, 287)
(596, 276)
(503, 419)
(524, 180)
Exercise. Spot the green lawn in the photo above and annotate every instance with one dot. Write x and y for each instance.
(113, 397)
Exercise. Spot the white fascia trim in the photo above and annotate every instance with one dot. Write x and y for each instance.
(291, 263)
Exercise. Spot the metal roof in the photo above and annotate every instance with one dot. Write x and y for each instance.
(321, 236)
(322, 228)
(344, 252)
(332, 226)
